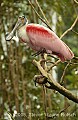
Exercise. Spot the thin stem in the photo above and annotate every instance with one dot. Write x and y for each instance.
(58, 61)
(64, 71)
(55, 85)
(45, 104)
(42, 12)
(75, 32)
(39, 15)
(72, 26)
(76, 1)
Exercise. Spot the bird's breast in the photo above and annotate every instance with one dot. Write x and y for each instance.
(22, 34)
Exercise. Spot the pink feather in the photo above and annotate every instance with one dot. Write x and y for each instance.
(42, 37)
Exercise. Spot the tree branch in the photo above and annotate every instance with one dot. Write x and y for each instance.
(54, 85)
(76, 1)
(75, 32)
(58, 61)
(69, 28)
(64, 71)
(39, 15)
(42, 12)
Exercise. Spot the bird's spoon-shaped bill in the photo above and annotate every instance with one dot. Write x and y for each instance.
(11, 34)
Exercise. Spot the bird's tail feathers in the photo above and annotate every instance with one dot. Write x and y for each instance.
(69, 54)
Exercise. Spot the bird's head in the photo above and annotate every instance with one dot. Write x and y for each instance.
(22, 20)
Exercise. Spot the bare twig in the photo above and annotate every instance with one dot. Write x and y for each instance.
(42, 12)
(54, 85)
(39, 15)
(76, 58)
(74, 7)
(75, 32)
(76, 1)
(62, 77)
(45, 104)
(44, 88)
(57, 62)
(69, 28)
(64, 109)
(40, 68)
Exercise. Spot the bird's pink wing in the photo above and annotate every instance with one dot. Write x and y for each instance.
(42, 37)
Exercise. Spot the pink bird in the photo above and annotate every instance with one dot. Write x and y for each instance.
(39, 38)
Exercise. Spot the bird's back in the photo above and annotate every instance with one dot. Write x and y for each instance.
(43, 37)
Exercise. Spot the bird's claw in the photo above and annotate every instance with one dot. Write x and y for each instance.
(39, 52)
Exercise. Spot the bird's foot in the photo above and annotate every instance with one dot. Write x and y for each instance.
(39, 52)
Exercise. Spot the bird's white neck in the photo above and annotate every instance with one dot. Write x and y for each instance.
(22, 34)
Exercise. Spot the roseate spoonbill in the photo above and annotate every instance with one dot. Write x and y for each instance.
(39, 37)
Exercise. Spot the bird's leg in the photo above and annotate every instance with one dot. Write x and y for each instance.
(39, 52)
